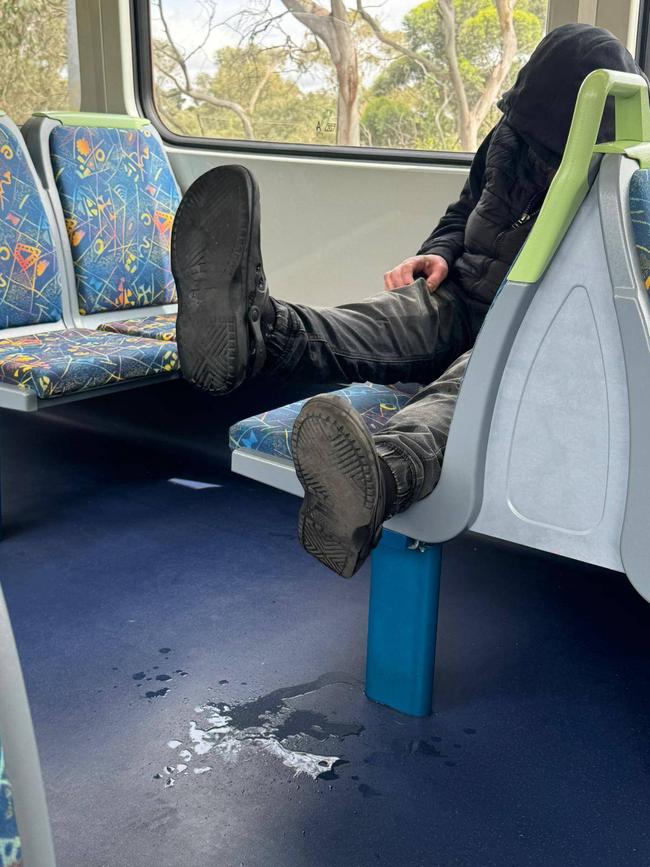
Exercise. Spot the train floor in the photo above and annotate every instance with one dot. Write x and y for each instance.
(196, 680)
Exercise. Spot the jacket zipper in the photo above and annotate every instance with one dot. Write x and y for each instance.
(528, 213)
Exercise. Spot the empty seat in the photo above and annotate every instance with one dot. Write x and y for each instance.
(59, 363)
(115, 196)
(640, 219)
(10, 848)
(25, 836)
(30, 278)
(161, 327)
(40, 358)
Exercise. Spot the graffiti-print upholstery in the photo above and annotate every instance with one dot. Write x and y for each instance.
(10, 851)
(119, 198)
(270, 432)
(161, 327)
(65, 362)
(640, 214)
(30, 283)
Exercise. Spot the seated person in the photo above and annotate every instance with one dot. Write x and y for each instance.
(421, 330)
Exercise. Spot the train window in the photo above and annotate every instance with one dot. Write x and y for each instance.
(40, 63)
(402, 74)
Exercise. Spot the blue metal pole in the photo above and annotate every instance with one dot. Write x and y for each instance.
(402, 624)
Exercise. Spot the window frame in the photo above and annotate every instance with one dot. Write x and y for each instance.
(642, 48)
(144, 85)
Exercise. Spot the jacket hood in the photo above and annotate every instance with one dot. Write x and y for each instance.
(540, 104)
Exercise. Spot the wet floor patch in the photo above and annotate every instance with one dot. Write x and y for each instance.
(270, 724)
(153, 674)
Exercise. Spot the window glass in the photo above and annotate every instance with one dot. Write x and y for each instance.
(397, 74)
(40, 64)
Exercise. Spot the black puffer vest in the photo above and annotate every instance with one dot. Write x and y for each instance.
(514, 187)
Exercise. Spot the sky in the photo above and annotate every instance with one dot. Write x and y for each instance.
(187, 21)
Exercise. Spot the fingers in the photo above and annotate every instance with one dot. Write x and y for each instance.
(403, 275)
(391, 279)
(434, 280)
(406, 273)
(436, 271)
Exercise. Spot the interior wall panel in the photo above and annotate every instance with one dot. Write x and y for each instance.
(331, 229)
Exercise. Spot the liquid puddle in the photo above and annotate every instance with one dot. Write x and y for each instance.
(269, 724)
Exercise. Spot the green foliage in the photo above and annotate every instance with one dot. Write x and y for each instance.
(407, 101)
(34, 51)
(433, 100)
(276, 106)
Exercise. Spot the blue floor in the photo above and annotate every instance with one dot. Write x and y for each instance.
(122, 584)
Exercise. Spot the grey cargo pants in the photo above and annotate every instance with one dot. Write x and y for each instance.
(407, 335)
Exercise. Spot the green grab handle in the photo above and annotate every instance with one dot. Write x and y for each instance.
(95, 119)
(571, 182)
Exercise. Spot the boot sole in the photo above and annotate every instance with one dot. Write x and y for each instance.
(338, 468)
(213, 251)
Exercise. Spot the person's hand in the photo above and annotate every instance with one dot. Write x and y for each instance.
(433, 268)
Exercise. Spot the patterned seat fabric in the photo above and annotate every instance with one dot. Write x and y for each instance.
(270, 432)
(119, 197)
(64, 362)
(30, 283)
(640, 215)
(10, 849)
(156, 327)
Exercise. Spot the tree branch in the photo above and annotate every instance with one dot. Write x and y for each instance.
(505, 12)
(189, 90)
(427, 66)
(260, 87)
(448, 19)
(201, 96)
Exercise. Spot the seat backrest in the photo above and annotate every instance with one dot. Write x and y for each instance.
(639, 204)
(23, 806)
(10, 849)
(115, 196)
(31, 279)
(539, 446)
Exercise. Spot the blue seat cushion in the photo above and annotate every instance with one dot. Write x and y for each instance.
(119, 198)
(30, 280)
(10, 850)
(161, 327)
(640, 216)
(65, 362)
(270, 432)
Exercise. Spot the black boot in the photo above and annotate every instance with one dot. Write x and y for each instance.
(222, 293)
(349, 490)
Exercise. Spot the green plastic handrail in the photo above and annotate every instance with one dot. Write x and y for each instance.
(571, 182)
(93, 119)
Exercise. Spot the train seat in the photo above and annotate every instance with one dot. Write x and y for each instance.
(41, 360)
(269, 433)
(25, 834)
(114, 195)
(547, 447)
(10, 849)
(57, 364)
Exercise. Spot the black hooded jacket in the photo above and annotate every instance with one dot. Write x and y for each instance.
(480, 235)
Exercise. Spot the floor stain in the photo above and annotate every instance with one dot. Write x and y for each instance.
(269, 724)
(156, 693)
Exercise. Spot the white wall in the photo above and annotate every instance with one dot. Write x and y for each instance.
(331, 228)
